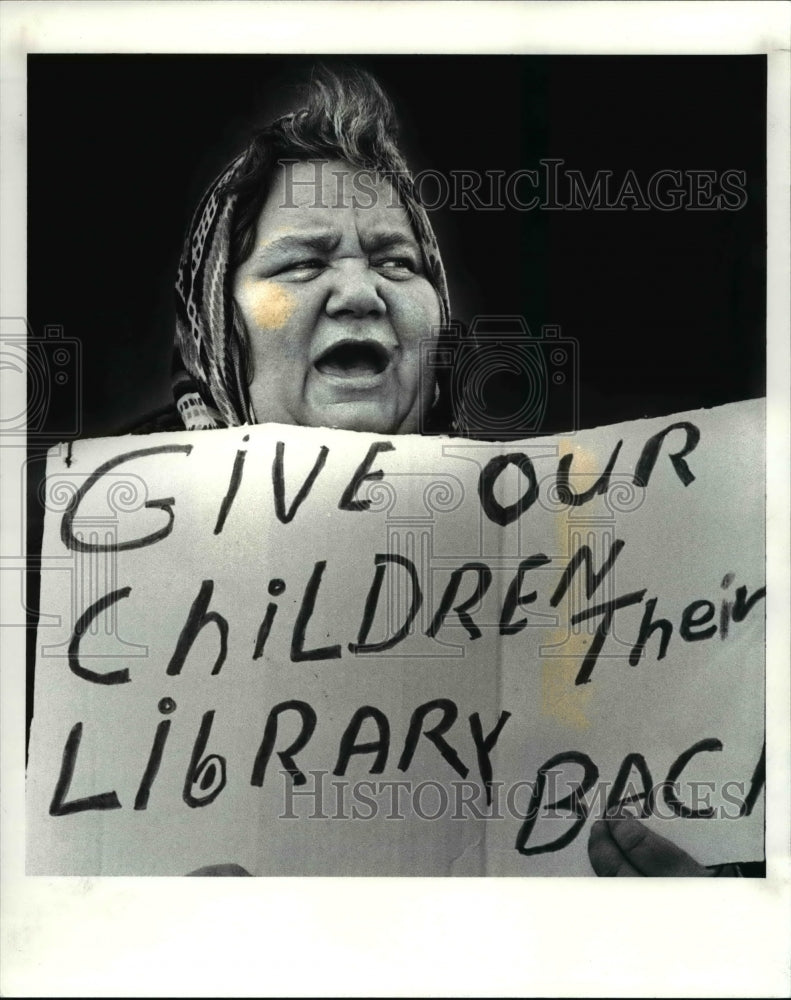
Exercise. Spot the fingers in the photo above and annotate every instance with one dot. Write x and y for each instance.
(605, 856)
(227, 869)
(651, 854)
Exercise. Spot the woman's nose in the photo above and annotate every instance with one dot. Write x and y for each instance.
(355, 290)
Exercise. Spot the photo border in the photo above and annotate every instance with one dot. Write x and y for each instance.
(354, 937)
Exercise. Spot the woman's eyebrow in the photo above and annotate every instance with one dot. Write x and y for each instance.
(321, 242)
(387, 240)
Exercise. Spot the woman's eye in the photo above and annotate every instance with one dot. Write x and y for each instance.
(397, 265)
(304, 267)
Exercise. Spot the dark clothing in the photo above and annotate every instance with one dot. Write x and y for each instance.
(156, 422)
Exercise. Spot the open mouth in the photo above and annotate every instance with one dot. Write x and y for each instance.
(353, 359)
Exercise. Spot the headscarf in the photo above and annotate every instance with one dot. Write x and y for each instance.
(210, 383)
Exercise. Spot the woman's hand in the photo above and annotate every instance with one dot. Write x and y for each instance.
(623, 846)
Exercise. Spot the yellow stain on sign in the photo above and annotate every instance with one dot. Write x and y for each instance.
(561, 698)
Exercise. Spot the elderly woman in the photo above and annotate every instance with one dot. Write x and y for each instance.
(309, 277)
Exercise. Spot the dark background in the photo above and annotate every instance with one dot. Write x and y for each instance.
(667, 307)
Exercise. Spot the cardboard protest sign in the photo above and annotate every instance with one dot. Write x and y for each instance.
(308, 651)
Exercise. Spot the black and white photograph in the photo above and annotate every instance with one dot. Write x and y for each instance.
(398, 437)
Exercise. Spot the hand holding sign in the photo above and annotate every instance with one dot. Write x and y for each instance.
(622, 846)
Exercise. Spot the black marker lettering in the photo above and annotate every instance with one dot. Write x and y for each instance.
(279, 486)
(757, 782)
(349, 499)
(484, 579)
(449, 714)
(484, 746)
(276, 588)
(567, 495)
(298, 651)
(726, 606)
(669, 786)
(233, 488)
(197, 619)
(371, 602)
(647, 627)
(308, 717)
(59, 806)
(72, 542)
(690, 620)
(85, 619)
(155, 757)
(490, 473)
(513, 600)
(209, 773)
(349, 746)
(593, 579)
(616, 799)
(264, 630)
(607, 611)
(575, 802)
(647, 461)
(743, 604)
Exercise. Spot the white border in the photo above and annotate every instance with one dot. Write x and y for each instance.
(204, 937)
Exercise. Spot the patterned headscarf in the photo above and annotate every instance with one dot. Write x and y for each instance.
(210, 382)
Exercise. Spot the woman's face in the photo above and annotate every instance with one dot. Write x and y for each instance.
(336, 304)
